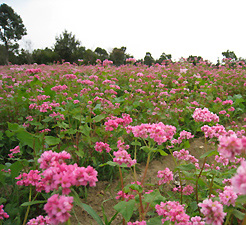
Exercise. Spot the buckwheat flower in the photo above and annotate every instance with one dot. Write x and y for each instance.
(172, 211)
(228, 196)
(204, 115)
(213, 212)
(76, 101)
(40, 220)
(238, 181)
(49, 158)
(122, 156)
(58, 208)
(230, 146)
(137, 223)
(165, 175)
(31, 178)
(197, 220)
(2, 213)
(100, 146)
(14, 151)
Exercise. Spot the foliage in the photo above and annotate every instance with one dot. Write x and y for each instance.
(12, 27)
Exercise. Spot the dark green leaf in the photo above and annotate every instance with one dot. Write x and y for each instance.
(187, 167)
(238, 214)
(156, 221)
(50, 140)
(209, 153)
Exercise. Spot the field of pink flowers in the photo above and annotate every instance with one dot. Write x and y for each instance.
(63, 127)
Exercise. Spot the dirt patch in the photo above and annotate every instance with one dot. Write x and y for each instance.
(106, 191)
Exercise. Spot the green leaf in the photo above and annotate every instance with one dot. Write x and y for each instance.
(125, 208)
(50, 140)
(209, 153)
(85, 130)
(241, 199)
(187, 167)
(155, 221)
(154, 198)
(136, 143)
(87, 208)
(238, 214)
(16, 169)
(135, 187)
(163, 153)
(33, 203)
(98, 118)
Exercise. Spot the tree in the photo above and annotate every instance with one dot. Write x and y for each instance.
(66, 45)
(229, 55)
(101, 53)
(44, 56)
(164, 57)
(118, 56)
(11, 28)
(194, 59)
(148, 59)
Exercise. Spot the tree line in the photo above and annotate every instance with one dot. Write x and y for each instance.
(66, 48)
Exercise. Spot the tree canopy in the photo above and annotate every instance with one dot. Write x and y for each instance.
(11, 28)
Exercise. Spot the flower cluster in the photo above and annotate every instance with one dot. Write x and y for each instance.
(14, 151)
(100, 146)
(114, 122)
(157, 131)
(122, 156)
(230, 146)
(165, 175)
(238, 181)
(185, 155)
(228, 196)
(213, 212)
(172, 211)
(204, 115)
(214, 131)
(58, 208)
(183, 135)
(187, 190)
(40, 220)
(2, 213)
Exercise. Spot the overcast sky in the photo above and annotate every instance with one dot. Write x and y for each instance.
(177, 27)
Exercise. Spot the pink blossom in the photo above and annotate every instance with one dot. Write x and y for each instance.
(125, 196)
(40, 220)
(100, 146)
(213, 212)
(172, 211)
(238, 181)
(228, 196)
(122, 156)
(166, 176)
(2, 213)
(197, 220)
(31, 178)
(58, 208)
(204, 115)
(230, 146)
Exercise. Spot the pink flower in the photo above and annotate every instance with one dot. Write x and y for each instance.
(204, 115)
(40, 220)
(197, 220)
(122, 156)
(31, 178)
(2, 213)
(228, 196)
(173, 212)
(76, 101)
(14, 151)
(58, 208)
(230, 146)
(213, 212)
(165, 175)
(100, 146)
(238, 181)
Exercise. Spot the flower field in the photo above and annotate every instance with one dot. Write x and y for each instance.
(65, 127)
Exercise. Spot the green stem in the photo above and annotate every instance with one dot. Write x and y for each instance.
(28, 207)
(228, 218)
(68, 222)
(146, 168)
(211, 186)
(122, 186)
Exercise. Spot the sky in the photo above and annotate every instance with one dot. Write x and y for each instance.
(178, 27)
